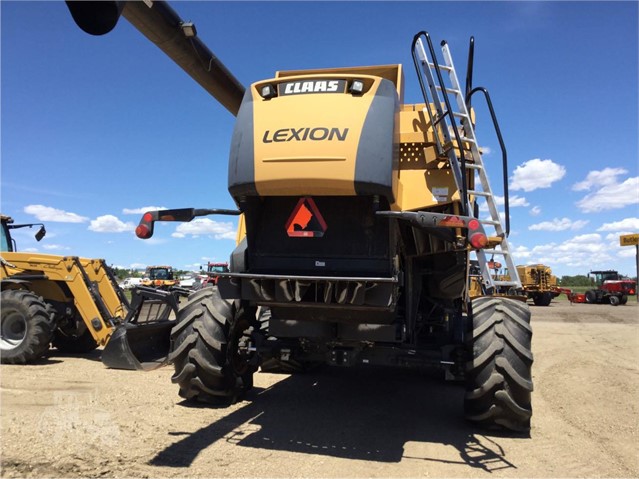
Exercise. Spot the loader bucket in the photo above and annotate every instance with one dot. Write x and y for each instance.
(141, 347)
(143, 340)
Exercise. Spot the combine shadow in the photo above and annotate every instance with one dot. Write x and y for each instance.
(367, 414)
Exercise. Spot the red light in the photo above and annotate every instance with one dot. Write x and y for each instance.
(632, 291)
(147, 218)
(143, 232)
(473, 224)
(478, 240)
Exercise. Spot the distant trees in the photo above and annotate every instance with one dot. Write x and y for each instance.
(578, 280)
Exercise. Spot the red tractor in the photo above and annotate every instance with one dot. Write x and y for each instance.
(611, 288)
(213, 271)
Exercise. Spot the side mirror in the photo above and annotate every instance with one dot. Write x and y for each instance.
(40, 234)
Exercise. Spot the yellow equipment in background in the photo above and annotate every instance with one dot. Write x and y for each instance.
(538, 283)
(70, 302)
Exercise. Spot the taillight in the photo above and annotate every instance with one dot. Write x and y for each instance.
(478, 240)
(473, 225)
(143, 231)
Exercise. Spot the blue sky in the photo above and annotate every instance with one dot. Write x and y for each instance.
(96, 129)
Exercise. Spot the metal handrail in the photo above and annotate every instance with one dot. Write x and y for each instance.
(504, 153)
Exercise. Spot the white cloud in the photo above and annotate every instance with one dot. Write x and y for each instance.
(535, 174)
(29, 250)
(205, 226)
(485, 150)
(141, 211)
(110, 224)
(587, 251)
(627, 224)
(535, 211)
(558, 225)
(611, 196)
(137, 266)
(607, 176)
(47, 213)
(55, 247)
(514, 201)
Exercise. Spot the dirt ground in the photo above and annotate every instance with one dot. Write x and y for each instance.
(71, 417)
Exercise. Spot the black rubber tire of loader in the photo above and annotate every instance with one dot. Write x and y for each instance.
(499, 376)
(614, 300)
(542, 299)
(82, 343)
(624, 299)
(26, 327)
(203, 349)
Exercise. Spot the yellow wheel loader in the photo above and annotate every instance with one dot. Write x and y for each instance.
(73, 304)
(356, 230)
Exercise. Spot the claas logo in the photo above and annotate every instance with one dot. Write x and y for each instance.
(305, 221)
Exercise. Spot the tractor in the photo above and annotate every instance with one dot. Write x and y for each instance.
(73, 304)
(611, 288)
(356, 229)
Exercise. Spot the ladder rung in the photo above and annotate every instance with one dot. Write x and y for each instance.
(442, 67)
(490, 222)
(479, 193)
(460, 114)
(469, 140)
(505, 283)
(449, 90)
(496, 251)
(473, 166)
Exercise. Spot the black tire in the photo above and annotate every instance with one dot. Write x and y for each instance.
(591, 297)
(25, 325)
(205, 349)
(624, 299)
(614, 300)
(542, 299)
(82, 343)
(499, 376)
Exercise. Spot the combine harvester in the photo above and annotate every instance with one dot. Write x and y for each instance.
(356, 229)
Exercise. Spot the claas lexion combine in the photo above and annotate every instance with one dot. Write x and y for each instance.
(358, 216)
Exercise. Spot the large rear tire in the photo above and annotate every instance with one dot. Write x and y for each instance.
(591, 297)
(209, 349)
(25, 327)
(499, 376)
(542, 299)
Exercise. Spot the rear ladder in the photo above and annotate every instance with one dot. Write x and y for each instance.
(445, 121)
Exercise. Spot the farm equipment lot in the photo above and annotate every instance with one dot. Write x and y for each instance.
(69, 416)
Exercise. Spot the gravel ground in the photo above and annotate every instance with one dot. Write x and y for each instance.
(71, 417)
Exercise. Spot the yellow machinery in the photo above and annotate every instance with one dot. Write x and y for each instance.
(359, 222)
(73, 303)
(538, 283)
(160, 277)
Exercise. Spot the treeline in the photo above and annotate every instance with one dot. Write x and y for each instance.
(579, 280)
